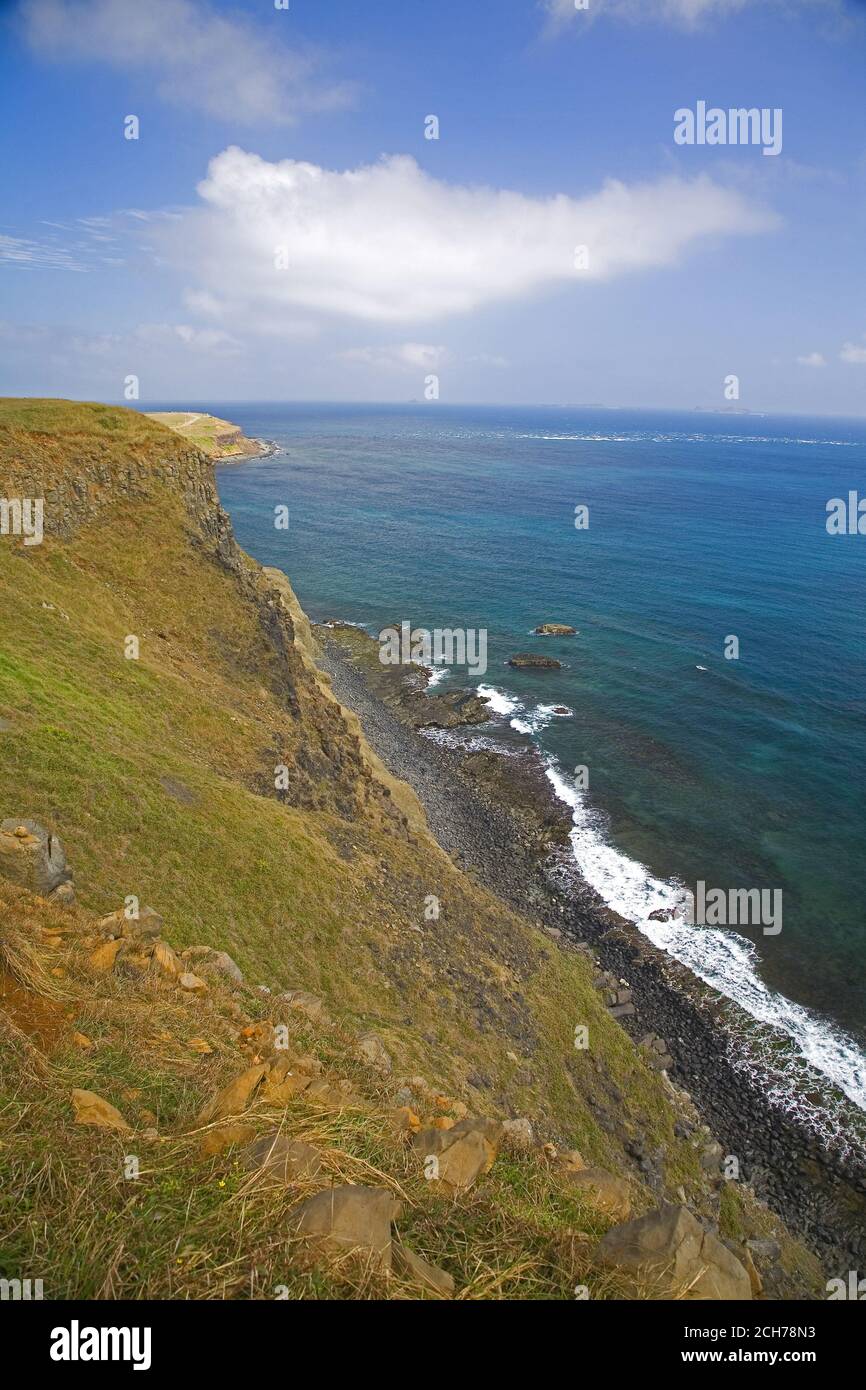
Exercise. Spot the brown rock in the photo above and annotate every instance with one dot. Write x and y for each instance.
(373, 1050)
(555, 630)
(606, 1192)
(193, 984)
(166, 960)
(104, 957)
(671, 1250)
(308, 1004)
(234, 1098)
(284, 1159)
(517, 1134)
(216, 1140)
(346, 1220)
(415, 1270)
(281, 1091)
(91, 1109)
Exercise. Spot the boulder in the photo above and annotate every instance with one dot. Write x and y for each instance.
(217, 1140)
(345, 1220)
(517, 1134)
(234, 1098)
(672, 1251)
(193, 984)
(91, 1109)
(415, 1270)
(526, 659)
(206, 956)
(32, 856)
(373, 1050)
(104, 957)
(166, 960)
(555, 630)
(463, 1153)
(287, 1160)
(310, 1005)
(605, 1191)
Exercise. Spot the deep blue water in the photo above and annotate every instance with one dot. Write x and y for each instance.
(749, 773)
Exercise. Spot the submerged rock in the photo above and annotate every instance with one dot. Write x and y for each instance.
(526, 659)
(555, 630)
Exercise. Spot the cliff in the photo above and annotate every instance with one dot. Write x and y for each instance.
(162, 713)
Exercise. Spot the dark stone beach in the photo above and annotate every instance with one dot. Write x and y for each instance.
(492, 808)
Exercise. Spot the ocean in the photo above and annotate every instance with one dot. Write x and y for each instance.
(741, 771)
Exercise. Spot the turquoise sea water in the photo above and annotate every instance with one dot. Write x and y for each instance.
(741, 773)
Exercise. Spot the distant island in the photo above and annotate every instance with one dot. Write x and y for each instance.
(219, 439)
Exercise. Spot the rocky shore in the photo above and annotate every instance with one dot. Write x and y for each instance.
(491, 806)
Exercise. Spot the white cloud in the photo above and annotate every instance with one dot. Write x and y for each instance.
(222, 65)
(812, 359)
(423, 357)
(682, 12)
(199, 339)
(854, 353)
(389, 243)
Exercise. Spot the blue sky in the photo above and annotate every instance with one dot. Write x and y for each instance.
(281, 229)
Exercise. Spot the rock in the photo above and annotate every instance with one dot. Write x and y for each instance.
(518, 1134)
(526, 659)
(555, 630)
(662, 914)
(373, 1050)
(104, 957)
(166, 960)
(605, 1191)
(412, 1268)
(215, 960)
(751, 1269)
(193, 984)
(279, 1157)
(233, 1098)
(345, 1220)
(622, 1011)
(405, 1121)
(63, 895)
(669, 1248)
(82, 1040)
(463, 1153)
(32, 857)
(308, 1004)
(711, 1157)
(280, 1090)
(571, 1160)
(767, 1251)
(91, 1109)
(217, 1140)
(147, 926)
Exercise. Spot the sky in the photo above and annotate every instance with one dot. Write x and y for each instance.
(281, 226)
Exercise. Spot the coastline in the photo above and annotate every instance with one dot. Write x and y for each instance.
(495, 810)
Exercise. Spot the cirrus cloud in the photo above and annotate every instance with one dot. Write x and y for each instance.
(389, 243)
